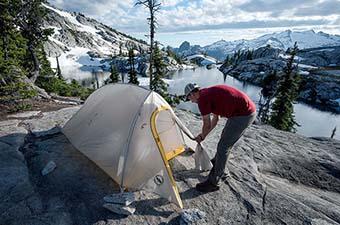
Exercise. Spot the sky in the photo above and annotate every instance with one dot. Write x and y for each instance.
(206, 21)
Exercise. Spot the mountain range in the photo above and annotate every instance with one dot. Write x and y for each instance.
(281, 40)
(84, 46)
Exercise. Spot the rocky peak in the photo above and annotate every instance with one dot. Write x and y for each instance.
(76, 30)
(184, 46)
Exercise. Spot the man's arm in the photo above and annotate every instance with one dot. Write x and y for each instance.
(214, 121)
(208, 125)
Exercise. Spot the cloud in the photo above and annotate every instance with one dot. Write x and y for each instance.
(183, 15)
(337, 22)
(93, 8)
(274, 5)
(252, 24)
(169, 3)
(298, 8)
(325, 8)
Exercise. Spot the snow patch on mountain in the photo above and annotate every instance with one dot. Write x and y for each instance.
(281, 40)
(202, 59)
(83, 45)
(73, 20)
(77, 64)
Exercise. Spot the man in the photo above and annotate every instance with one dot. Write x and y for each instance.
(224, 101)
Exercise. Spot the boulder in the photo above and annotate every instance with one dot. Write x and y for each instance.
(191, 216)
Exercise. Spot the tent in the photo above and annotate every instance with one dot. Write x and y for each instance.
(131, 133)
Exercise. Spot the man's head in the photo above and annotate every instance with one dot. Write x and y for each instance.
(191, 92)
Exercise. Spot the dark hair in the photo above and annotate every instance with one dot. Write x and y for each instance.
(195, 90)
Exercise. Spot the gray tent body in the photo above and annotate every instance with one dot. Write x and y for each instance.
(131, 133)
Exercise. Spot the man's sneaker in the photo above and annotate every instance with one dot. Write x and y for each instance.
(206, 186)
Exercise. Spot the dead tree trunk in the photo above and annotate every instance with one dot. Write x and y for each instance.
(333, 132)
(152, 33)
(153, 6)
(58, 67)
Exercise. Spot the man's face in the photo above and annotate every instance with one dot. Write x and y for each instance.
(193, 97)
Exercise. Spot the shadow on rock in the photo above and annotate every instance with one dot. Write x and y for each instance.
(74, 189)
(174, 221)
(187, 174)
(148, 207)
(191, 193)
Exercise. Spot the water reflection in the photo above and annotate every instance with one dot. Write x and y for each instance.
(313, 121)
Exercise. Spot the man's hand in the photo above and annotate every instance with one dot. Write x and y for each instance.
(199, 138)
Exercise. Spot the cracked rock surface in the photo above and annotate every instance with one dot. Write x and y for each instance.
(276, 178)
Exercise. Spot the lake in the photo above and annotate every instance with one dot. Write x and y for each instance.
(313, 121)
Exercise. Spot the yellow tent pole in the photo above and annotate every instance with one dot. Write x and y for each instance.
(162, 151)
(174, 153)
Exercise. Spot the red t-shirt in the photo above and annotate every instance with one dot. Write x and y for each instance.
(225, 101)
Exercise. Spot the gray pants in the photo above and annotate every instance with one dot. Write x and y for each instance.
(232, 131)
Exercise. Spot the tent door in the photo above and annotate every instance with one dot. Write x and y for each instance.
(166, 154)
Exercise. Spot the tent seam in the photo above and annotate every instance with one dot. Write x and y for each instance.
(131, 130)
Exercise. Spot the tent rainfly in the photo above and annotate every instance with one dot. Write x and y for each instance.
(131, 133)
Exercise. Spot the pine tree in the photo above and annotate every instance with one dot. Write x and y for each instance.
(30, 21)
(22, 55)
(8, 10)
(282, 114)
(114, 76)
(132, 72)
(266, 96)
(249, 54)
(237, 57)
(157, 84)
(12, 53)
(227, 60)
